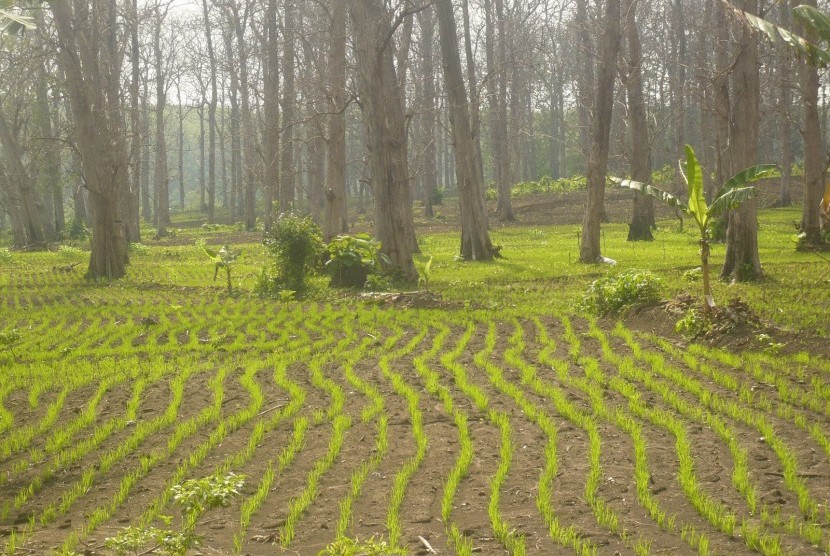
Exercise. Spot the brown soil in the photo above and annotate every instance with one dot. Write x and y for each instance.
(582, 394)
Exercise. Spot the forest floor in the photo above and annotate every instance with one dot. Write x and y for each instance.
(486, 416)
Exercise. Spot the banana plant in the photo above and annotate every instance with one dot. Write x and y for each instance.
(222, 259)
(733, 193)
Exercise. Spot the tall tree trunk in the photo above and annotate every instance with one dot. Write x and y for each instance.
(783, 114)
(24, 192)
(248, 163)
(136, 128)
(643, 213)
(287, 168)
(49, 174)
(386, 133)
(181, 145)
(585, 80)
(161, 177)
(428, 138)
(144, 173)
(603, 108)
(475, 239)
(813, 160)
(495, 53)
(677, 81)
(211, 185)
(93, 81)
(475, 98)
(723, 102)
(336, 221)
(202, 158)
(271, 133)
(742, 261)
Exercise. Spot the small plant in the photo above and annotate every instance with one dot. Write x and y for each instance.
(612, 293)
(295, 243)
(9, 339)
(345, 546)
(224, 259)
(731, 196)
(287, 295)
(5, 255)
(195, 496)
(692, 325)
(352, 259)
(424, 272)
(770, 345)
(139, 249)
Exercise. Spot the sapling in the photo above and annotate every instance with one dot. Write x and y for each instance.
(733, 193)
(224, 259)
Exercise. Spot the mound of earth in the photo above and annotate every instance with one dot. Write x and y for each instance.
(735, 327)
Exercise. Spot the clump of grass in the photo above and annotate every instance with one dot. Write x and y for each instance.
(614, 292)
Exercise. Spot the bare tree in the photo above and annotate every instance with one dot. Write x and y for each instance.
(642, 216)
(89, 55)
(475, 239)
(600, 134)
(336, 216)
(386, 132)
(742, 259)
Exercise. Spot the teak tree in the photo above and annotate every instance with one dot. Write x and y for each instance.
(90, 56)
(475, 239)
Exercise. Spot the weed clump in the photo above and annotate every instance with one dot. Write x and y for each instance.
(613, 293)
(295, 244)
(352, 260)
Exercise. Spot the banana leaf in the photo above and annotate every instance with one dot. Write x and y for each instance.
(731, 200)
(652, 191)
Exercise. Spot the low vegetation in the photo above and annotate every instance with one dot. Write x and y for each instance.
(500, 416)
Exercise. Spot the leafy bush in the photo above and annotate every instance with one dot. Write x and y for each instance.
(693, 324)
(76, 230)
(352, 259)
(295, 243)
(438, 195)
(139, 249)
(612, 293)
(5, 255)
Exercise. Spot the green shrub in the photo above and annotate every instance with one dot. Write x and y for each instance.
(438, 195)
(352, 259)
(76, 230)
(612, 293)
(5, 255)
(295, 244)
(693, 324)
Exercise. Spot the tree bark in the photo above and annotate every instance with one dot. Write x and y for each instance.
(271, 132)
(742, 261)
(287, 169)
(211, 184)
(161, 178)
(136, 129)
(813, 159)
(495, 53)
(336, 220)
(585, 80)
(386, 133)
(475, 239)
(784, 102)
(93, 83)
(643, 214)
(601, 128)
(430, 164)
